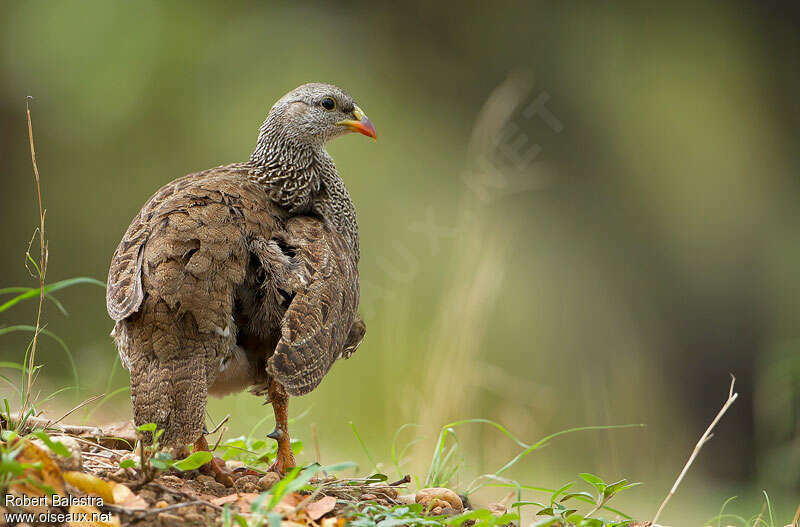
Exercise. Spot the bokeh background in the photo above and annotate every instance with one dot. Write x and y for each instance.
(618, 235)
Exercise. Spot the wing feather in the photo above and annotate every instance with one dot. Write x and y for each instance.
(318, 321)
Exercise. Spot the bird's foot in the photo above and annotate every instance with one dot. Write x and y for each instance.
(284, 460)
(216, 467)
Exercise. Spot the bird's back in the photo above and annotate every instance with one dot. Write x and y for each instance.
(211, 272)
(172, 285)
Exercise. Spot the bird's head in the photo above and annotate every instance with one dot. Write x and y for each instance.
(315, 113)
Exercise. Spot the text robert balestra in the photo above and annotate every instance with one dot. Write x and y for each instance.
(54, 501)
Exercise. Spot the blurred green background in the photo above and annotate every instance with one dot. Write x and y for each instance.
(607, 260)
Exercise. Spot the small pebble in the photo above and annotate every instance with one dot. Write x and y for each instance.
(215, 488)
(194, 517)
(148, 495)
(407, 499)
(247, 484)
(120, 474)
(171, 480)
(161, 504)
(168, 519)
(267, 481)
(439, 497)
(390, 492)
(233, 464)
(202, 478)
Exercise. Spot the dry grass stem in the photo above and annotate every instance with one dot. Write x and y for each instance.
(42, 266)
(707, 435)
(76, 408)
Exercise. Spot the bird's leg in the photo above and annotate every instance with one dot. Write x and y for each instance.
(214, 467)
(284, 460)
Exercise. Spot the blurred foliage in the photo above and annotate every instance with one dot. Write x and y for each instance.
(640, 252)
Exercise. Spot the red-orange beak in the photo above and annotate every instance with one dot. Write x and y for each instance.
(363, 125)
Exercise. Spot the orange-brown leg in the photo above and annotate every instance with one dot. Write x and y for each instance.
(284, 460)
(214, 467)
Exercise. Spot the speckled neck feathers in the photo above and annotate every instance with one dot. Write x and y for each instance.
(301, 177)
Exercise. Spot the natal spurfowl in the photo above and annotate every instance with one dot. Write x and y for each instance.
(244, 275)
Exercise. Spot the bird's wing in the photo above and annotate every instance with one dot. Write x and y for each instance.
(124, 292)
(197, 208)
(318, 321)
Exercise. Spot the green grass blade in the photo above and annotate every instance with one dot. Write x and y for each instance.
(55, 393)
(258, 424)
(32, 329)
(34, 292)
(50, 297)
(364, 447)
(447, 429)
(769, 509)
(103, 400)
(542, 442)
(396, 458)
(10, 383)
(12, 365)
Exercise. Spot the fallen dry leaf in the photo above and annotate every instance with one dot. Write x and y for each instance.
(245, 500)
(119, 435)
(320, 508)
(222, 500)
(48, 475)
(497, 509)
(94, 518)
(333, 522)
(125, 497)
(90, 484)
(288, 503)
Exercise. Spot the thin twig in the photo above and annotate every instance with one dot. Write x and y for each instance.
(172, 507)
(182, 494)
(99, 464)
(36, 421)
(86, 441)
(796, 521)
(219, 438)
(732, 396)
(150, 512)
(224, 420)
(406, 479)
(222, 432)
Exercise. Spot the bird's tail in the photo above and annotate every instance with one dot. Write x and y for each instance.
(171, 394)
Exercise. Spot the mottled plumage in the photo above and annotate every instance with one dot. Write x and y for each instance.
(244, 275)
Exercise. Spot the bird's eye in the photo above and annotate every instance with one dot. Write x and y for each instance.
(328, 103)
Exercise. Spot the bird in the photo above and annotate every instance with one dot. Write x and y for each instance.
(243, 276)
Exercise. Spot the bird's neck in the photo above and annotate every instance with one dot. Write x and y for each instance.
(303, 179)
